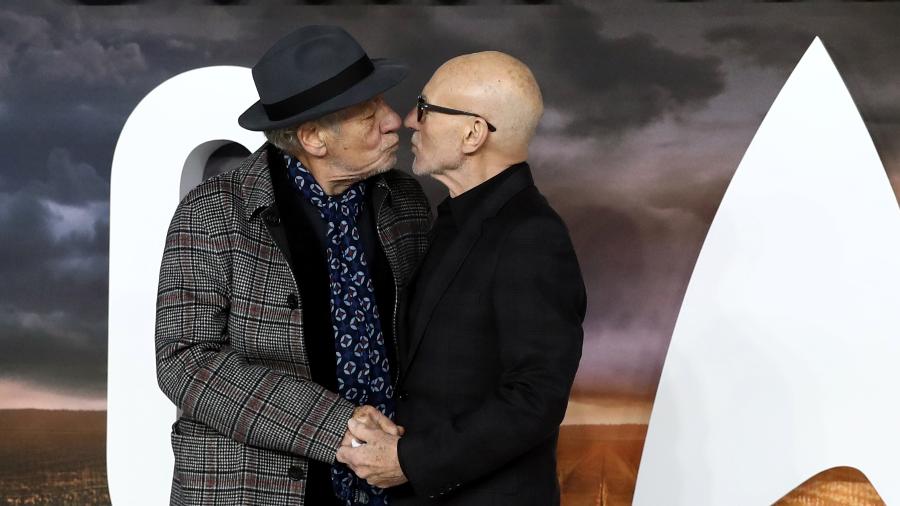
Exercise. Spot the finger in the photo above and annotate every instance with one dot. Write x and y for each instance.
(401, 430)
(363, 432)
(367, 413)
(387, 425)
(370, 414)
(369, 422)
(350, 456)
(379, 416)
(355, 428)
(364, 410)
(356, 433)
(380, 482)
(372, 478)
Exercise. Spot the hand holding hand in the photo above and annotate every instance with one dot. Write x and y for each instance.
(370, 416)
(377, 461)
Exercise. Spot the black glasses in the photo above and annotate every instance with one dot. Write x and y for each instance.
(422, 106)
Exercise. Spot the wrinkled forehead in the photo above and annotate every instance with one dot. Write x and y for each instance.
(360, 110)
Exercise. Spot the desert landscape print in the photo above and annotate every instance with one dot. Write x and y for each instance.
(52, 457)
(58, 457)
(597, 463)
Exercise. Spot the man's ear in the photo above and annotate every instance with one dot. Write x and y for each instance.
(312, 139)
(476, 136)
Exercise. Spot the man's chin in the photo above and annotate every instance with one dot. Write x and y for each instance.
(424, 171)
(389, 162)
(418, 169)
(386, 166)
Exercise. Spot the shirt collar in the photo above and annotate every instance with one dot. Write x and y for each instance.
(464, 205)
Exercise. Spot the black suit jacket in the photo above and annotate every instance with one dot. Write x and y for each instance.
(488, 363)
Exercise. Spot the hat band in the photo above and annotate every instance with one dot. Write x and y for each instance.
(330, 88)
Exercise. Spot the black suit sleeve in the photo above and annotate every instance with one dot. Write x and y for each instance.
(539, 304)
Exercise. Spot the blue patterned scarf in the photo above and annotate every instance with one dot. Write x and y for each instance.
(363, 374)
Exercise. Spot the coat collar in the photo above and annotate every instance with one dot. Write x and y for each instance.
(258, 191)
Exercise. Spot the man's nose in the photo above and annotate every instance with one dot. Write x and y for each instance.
(411, 120)
(390, 122)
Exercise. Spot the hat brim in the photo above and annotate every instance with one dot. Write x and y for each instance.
(386, 75)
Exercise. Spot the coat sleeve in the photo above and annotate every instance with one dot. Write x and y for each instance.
(539, 305)
(210, 382)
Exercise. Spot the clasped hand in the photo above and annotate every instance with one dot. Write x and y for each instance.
(376, 461)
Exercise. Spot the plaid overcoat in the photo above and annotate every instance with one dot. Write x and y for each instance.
(230, 351)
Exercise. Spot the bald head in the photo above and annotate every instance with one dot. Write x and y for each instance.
(498, 87)
(460, 150)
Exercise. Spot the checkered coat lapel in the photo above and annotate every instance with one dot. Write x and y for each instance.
(229, 343)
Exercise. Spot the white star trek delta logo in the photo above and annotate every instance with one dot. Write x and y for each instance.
(785, 359)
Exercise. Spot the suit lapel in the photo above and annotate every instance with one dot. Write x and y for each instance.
(443, 276)
(459, 251)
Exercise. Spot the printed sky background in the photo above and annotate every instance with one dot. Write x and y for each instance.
(649, 108)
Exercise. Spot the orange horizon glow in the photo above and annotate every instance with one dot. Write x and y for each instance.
(21, 395)
(582, 409)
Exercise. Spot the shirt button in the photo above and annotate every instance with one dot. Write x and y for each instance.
(402, 395)
(292, 301)
(296, 473)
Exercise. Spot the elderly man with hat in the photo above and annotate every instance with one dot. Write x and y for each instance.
(276, 312)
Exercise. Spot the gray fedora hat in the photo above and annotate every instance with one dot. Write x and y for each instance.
(314, 71)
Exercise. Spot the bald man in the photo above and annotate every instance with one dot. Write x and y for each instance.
(492, 335)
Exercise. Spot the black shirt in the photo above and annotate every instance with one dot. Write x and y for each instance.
(306, 234)
(453, 213)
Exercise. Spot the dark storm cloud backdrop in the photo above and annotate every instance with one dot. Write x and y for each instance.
(649, 108)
